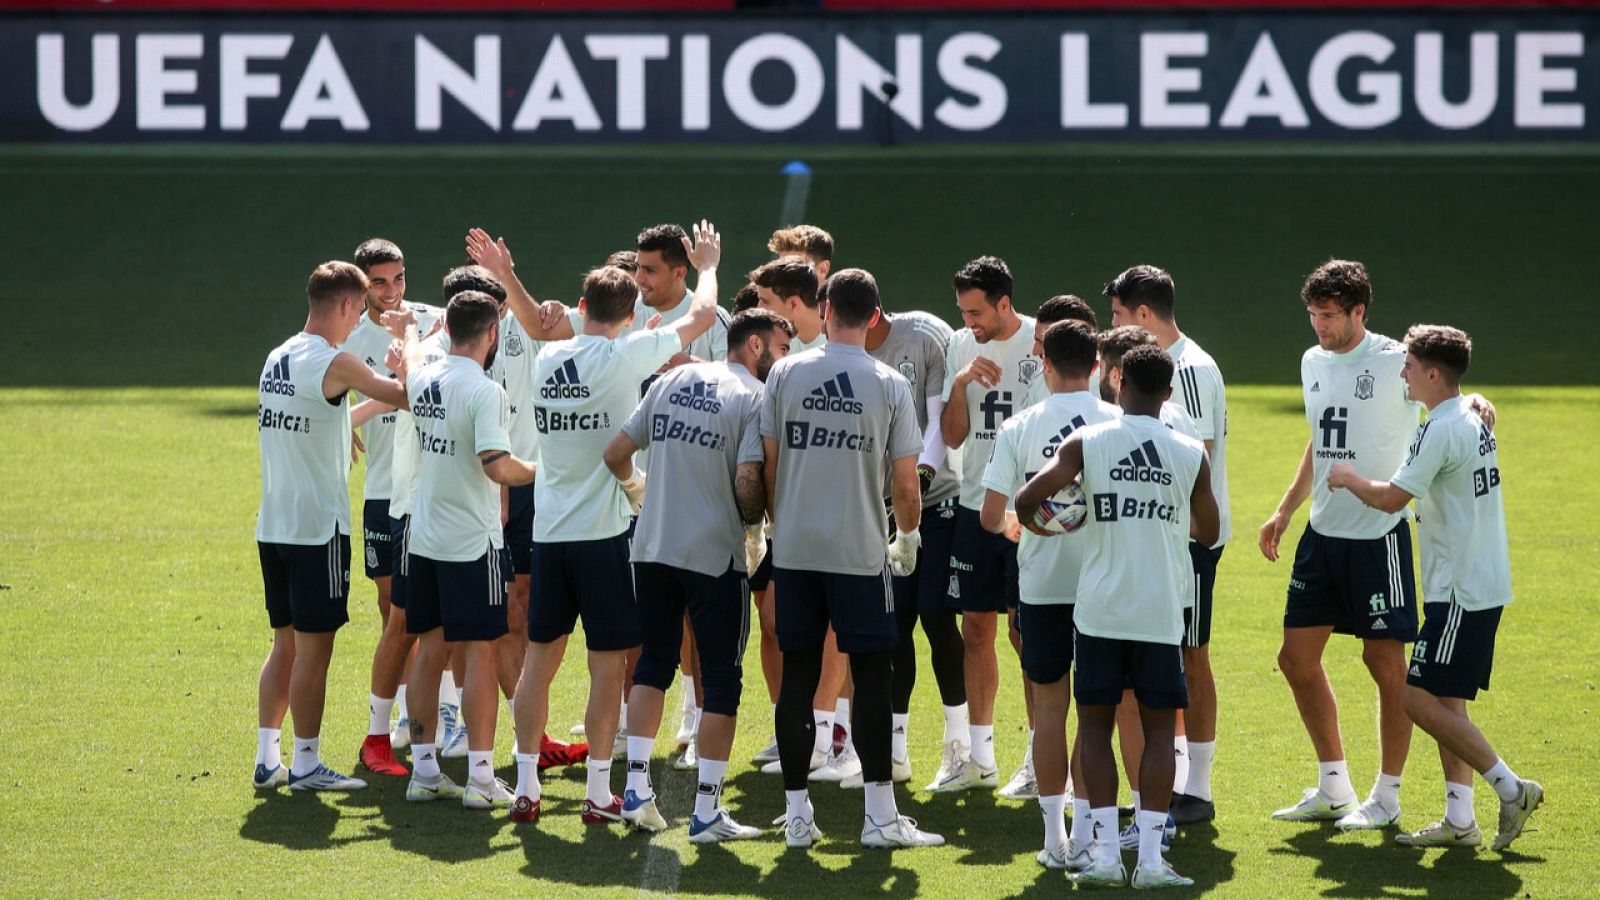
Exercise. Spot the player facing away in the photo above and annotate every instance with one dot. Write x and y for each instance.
(697, 537)
(1452, 470)
(1144, 296)
(455, 565)
(303, 526)
(1048, 567)
(586, 388)
(834, 424)
(1149, 491)
(988, 374)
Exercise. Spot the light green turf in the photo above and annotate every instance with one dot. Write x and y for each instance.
(133, 632)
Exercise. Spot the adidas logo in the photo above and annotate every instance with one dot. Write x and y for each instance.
(372, 362)
(1054, 443)
(1379, 625)
(481, 763)
(1452, 795)
(277, 380)
(563, 385)
(1143, 464)
(835, 395)
(1316, 386)
(700, 396)
(430, 403)
(1417, 671)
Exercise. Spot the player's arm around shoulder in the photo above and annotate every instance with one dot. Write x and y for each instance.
(1059, 472)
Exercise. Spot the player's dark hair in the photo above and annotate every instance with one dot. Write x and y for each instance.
(473, 278)
(852, 295)
(1071, 348)
(377, 250)
(1066, 307)
(1147, 370)
(989, 274)
(469, 316)
(608, 294)
(666, 240)
(333, 281)
(747, 298)
(789, 278)
(756, 321)
(815, 243)
(1116, 343)
(1339, 281)
(626, 260)
(1144, 286)
(1441, 347)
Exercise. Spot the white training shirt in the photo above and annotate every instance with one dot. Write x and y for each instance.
(1197, 387)
(513, 365)
(1359, 413)
(989, 408)
(1453, 469)
(369, 342)
(586, 388)
(459, 412)
(709, 347)
(407, 456)
(798, 346)
(1048, 566)
(305, 446)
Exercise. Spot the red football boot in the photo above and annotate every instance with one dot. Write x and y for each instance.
(378, 757)
(560, 753)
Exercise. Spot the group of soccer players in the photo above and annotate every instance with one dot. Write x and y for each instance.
(655, 466)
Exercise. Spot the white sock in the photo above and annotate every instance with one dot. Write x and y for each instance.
(267, 753)
(688, 694)
(897, 736)
(1107, 847)
(1151, 826)
(1082, 824)
(1334, 780)
(622, 716)
(480, 766)
(824, 737)
(1201, 753)
(461, 701)
(1505, 782)
(528, 776)
(881, 808)
(1387, 790)
(1458, 804)
(639, 750)
(982, 745)
(400, 702)
(307, 756)
(1027, 756)
(1180, 763)
(1054, 810)
(708, 796)
(599, 781)
(797, 805)
(447, 687)
(378, 710)
(955, 723)
(1136, 804)
(425, 761)
(841, 717)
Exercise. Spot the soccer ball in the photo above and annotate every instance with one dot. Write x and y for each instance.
(1064, 513)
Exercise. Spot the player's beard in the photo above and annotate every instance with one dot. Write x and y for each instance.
(488, 359)
(1107, 392)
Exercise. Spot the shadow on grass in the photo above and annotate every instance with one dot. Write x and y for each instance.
(299, 821)
(1362, 870)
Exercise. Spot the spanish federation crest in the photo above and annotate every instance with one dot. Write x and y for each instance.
(1028, 369)
(1364, 383)
(513, 345)
(908, 370)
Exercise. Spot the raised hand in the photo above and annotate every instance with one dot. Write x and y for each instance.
(706, 250)
(490, 253)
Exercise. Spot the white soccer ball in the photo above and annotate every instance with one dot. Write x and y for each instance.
(1064, 513)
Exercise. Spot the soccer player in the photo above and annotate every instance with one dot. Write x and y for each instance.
(455, 547)
(1060, 308)
(805, 242)
(749, 297)
(303, 527)
(1452, 470)
(1144, 296)
(587, 387)
(789, 287)
(988, 373)
(1352, 569)
(698, 536)
(1147, 487)
(1048, 567)
(834, 423)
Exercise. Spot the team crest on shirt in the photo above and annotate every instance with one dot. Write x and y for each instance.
(1028, 368)
(1364, 383)
(514, 345)
(372, 557)
(908, 370)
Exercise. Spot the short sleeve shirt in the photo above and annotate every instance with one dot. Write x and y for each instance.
(459, 412)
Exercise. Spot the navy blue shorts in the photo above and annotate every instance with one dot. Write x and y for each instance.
(398, 582)
(762, 576)
(307, 586)
(859, 607)
(591, 579)
(719, 615)
(377, 536)
(466, 599)
(519, 529)
(1105, 667)
(1197, 619)
(925, 588)
(1360, 587)
(982, 574)
(1047, 640)
(1454, 653)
